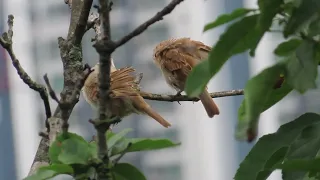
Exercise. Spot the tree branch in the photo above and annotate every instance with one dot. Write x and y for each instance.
(158, 17)
(51, 91)
(94, 23)
(102, 46)
(41, 157)
(71, 55)
(172, 98)
(6, 43)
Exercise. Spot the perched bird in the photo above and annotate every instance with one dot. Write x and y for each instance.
(124, 94)
(176, 58)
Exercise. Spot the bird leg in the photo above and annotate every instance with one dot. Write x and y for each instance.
(178, 94)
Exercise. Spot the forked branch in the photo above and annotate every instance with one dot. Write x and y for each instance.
(6, 43)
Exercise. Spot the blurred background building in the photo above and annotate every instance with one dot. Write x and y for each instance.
(208, 150)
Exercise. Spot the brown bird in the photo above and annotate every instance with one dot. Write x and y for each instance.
(176, 58)
(124, 97)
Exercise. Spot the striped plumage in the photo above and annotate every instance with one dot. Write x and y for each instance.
(176, 58)
(124, 95)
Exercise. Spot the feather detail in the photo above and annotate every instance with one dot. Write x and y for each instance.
(176, 58)
(124, 94)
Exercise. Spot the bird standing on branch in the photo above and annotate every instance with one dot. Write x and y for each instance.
(176, 58)
(124, 94)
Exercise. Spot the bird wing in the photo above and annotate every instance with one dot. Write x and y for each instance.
(123, 83)
(174, 54)
(202, 50)
(195, 49)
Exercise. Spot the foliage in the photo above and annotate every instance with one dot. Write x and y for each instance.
(294, 147)
(77, 157)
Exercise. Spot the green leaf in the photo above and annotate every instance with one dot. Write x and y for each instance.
(119, 147)
(125, 171)
(306, 146)
(288, 47)
(268, 10)
(75, 151)
(146, 144)
(260, 94)
(118, 143)
(302, 67)
(272, 146)
(142, 144)
(54, 151)
(51, 171)
(300, 165)
(314, 27)
(225, 18)
(239, 37)
(55, 148)
(109, 134)
(117, 137)
(313, 175)
(301, 15)
(276, 157)
(71, 150)
(198, 79)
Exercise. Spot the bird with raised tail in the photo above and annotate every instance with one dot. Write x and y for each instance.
(124, 97)
(176, 58)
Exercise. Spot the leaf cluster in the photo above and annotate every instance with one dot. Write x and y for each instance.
(73, 155)
(294, 147)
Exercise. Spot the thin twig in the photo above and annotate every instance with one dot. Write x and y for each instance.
(94, 23)
(6, 42)
(158, 17)
(173, 98)
(63, 105)
(51, 91)
(115, 161)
